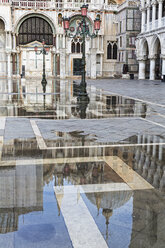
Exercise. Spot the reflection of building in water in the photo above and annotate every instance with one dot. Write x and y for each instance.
(25, 148)
(21, 192)
(61, 102)
(84, 173)
(147, 160)
(149, 218)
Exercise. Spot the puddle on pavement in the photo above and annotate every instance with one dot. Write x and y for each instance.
(33, 214)
(60, 102)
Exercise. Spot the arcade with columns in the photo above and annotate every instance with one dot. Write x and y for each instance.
(150, 47)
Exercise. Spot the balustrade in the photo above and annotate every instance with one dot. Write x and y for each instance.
(65, 4)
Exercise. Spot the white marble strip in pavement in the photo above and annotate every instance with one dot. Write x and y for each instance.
(90, 188)
(81, 226)
(102, 146)
(2, 122)
(50, 161)
(133, 179)
(39, 138)
(153, 122)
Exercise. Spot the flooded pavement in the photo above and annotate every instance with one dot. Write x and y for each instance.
(73, 174)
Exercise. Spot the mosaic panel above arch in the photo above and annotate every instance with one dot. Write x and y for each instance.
(74, 23)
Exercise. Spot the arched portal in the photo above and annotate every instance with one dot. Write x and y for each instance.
(31, 31)
(158, 60)
(2, 49)
(147, 61)
(35, 29)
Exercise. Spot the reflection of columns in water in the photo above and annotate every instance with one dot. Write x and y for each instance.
(160, 149)
(154, 146)
(148, 141)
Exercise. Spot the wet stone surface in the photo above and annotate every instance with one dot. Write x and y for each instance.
(82, 174)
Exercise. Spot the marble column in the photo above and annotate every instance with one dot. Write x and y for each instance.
(148, 17)
(153, 14)
(142, 3)
(160, 12)
(142, 66)
(63, 41)
(18, 72)
(62, 64)
(57, 42)
(163, 64)
(9, 73)
(14, 42)
(93, 63)
(143, 20)
(152, 68)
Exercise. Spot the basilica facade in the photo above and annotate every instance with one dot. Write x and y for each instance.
(24, 24)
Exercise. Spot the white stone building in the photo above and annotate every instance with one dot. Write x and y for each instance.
(150, 43)
(129, 20)
(24, 24)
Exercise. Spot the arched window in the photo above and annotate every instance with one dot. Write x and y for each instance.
(111, 50)
(115, 51)
(73, 48)
(76, 45)
(35, 28)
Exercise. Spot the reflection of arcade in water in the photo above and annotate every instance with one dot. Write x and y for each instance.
(60, 102)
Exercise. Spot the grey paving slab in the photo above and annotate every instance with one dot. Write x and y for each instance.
(18, 128)
(103, 130)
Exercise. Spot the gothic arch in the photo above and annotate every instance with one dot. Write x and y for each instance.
(155, 45)
(4, 21)
(144, 47)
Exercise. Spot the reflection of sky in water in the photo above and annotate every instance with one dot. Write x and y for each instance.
(120, 223)
(44, 228)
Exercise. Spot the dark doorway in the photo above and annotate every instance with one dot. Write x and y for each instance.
(77, 66)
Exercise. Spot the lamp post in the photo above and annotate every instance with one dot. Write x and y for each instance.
(82, 31)
(43, 51)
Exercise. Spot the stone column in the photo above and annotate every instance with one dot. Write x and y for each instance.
(93, 63)
(9, 73)
(63, 41)
(152, 68)
(163, 64)
(160, 12)
(57, 42)
(142, 66)
(54, 63)
(148, 17)
(18, 72)
(143, 20)
(62, 63)
(14, 42)
(142, 3)
(153, 14)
